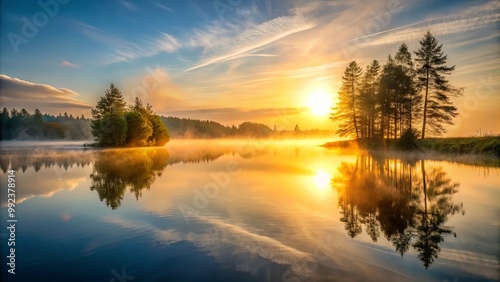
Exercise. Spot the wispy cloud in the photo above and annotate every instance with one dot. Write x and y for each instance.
(68, 64)
(128, 5)
(220, 41)
(163, 7)
(124, 50)
(473, 18)
(250, 39)
(17, 93)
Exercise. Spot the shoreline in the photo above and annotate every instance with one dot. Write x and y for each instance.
(488, 146)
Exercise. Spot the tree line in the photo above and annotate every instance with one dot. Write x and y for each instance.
(402, 95)
(23, 125)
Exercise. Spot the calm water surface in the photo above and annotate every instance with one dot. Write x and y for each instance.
(247, 211)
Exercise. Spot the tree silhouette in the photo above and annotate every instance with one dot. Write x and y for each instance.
(385, 103)
(368, 99)
(392, 198)
(431, 70)
(437, 191)
(345, 110)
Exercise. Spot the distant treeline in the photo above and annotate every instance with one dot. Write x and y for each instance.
(23, 125)
(194, 128)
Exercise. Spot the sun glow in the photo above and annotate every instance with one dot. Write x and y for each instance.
(322, 179)
(319, 102)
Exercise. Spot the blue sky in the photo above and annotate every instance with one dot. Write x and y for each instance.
(235, 60)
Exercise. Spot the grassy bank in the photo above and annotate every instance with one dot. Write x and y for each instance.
(489, 145)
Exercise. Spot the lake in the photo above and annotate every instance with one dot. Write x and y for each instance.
(239, 210)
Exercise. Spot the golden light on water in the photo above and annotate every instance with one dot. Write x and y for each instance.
(322, 179)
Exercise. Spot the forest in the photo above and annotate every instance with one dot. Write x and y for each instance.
(23, 125)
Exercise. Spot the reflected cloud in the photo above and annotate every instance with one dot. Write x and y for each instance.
(230, 244)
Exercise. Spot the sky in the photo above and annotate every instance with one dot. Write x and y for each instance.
(237, 60)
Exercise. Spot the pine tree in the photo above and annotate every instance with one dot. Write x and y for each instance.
(411, 101)
(431, 71)
(112, 103)
(109, 125)
(345, 111)
(368, 99)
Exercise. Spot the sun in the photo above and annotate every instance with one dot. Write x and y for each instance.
(319, 102)
(322, 179)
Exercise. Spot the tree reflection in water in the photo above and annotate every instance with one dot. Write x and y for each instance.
(405, 202)
(116, 170)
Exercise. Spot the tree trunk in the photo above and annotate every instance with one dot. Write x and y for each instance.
(425, 103)
(354, 110)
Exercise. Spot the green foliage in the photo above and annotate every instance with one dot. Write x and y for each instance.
(193, 128)
(114, 125)
(112, 103)
(470, 145)
(139, 129)
(26, 126)
(53, 130)
(159, 136)
(112, 130)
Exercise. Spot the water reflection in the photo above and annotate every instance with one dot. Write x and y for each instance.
(116, 170)
(406, 202)
(40, 158)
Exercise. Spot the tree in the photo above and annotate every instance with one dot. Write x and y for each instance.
(109, 125)
(112, 103)
(5, 130)
(36, 128)
(431, 70)
(154, 132)
(160, 135)
(112, 130)
(396, 86)
(115, 125)
(53, 130)
(368, 99)
(138, 129)
(412, 102)
(345, 110)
